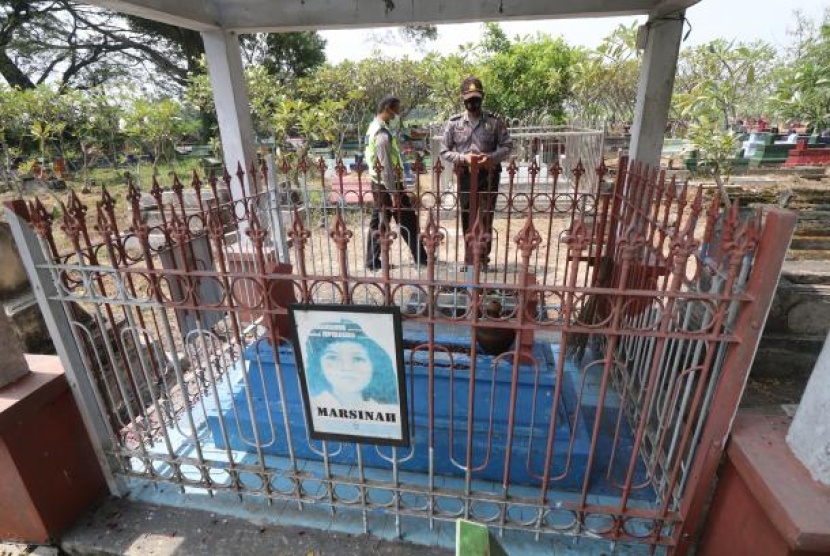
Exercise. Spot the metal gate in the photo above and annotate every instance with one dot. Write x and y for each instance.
(635, 312)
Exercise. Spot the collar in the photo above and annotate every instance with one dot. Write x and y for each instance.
(481, 118)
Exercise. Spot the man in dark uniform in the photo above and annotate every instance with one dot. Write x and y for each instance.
(481, 137)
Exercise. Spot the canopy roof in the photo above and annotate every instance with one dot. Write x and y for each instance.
(248, 16)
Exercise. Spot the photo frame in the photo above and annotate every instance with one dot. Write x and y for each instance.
(351, 370)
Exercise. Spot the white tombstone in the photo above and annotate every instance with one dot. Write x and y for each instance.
(809, 435)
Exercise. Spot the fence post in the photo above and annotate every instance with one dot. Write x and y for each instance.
(273, 192)
(60, 329)
(772, 248)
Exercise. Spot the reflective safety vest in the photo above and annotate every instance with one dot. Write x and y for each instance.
(371, 136)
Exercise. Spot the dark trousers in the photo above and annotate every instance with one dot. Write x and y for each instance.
(407, 218)
(483, 203)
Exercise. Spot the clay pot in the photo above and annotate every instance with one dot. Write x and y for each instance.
(494, 341)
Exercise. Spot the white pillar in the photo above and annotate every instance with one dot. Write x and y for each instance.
(809, 436)
(230, 95)
(655, 87)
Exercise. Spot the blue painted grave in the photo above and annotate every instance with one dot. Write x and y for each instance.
(249, 402)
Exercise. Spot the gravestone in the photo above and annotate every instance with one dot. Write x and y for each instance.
(17, 300)
(12, 365)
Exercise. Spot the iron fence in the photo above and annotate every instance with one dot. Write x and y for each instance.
(566, 146)
(632, 313)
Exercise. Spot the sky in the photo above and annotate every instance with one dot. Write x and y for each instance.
(744, 20)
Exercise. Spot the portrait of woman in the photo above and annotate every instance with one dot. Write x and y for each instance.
(346, 368)
(352, 383)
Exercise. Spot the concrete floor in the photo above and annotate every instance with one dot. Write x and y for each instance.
(130, 528)
(138, 527)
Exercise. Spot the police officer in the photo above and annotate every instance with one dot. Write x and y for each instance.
(382, 146)
(476, 136)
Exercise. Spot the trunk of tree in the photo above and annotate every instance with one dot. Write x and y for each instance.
(724, 196)
(13, 74)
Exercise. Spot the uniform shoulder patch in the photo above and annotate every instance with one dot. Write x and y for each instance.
(495, 116)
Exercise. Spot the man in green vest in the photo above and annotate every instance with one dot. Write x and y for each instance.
(390, 199)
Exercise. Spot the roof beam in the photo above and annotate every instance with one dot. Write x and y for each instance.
(247, 16)
(667, 7)
(190, 14)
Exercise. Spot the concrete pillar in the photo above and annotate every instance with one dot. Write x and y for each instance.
(13, 364)
(230, 95)
(655, 87)
(809, 436)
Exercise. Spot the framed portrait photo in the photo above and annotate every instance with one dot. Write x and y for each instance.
(351, 371)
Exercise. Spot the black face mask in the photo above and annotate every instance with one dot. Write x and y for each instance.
(472, 104)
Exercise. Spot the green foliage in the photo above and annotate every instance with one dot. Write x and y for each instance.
(96, 127)
(604, 84)
(715, 142)
(445, 74)
(803, 92)
(718, 82)
(494, 39)
(40, 117)
(420, 33)
(528, 77)
(734, 78)
(157, 125)
(11, 117)
(293, 55)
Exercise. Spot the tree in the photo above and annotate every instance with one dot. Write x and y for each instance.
(419, 34)
(416, 36)
(286, 56)
(12, 118)
(361, 85)
(157, 125)
(174, 43)
(494, 39)
(717, 145)
(96, 127)
(405, 78)
(265, 92)
(803, 91)
(73, 44)
(445, 74)
(716, 83)
(11, 126)
(294, 54)
(604, 86)
(529, 77)
(46, 114)
(735, 76)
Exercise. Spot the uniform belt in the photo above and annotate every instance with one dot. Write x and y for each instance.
(496, 168)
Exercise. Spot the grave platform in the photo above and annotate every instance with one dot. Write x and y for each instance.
(250, 402)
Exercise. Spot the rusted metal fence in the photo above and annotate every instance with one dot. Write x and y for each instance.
(634, 311)
(565, 145)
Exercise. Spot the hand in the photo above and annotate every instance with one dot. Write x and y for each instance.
(483, 159)
(470, 157)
